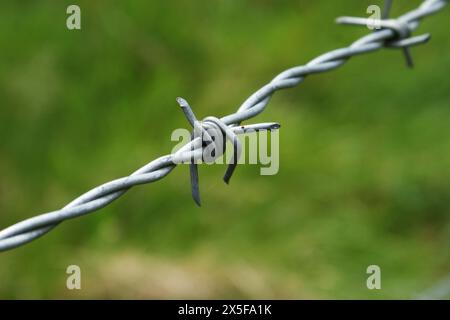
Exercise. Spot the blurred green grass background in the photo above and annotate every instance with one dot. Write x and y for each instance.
(364, 152)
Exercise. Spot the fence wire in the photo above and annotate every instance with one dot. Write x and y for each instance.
(393, 33)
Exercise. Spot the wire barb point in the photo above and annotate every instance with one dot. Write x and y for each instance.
(182, 102)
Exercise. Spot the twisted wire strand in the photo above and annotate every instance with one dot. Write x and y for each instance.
(32, 228)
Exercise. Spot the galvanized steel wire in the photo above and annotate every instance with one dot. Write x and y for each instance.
(394, 33)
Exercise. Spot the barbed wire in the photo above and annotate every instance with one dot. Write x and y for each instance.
(394, 33)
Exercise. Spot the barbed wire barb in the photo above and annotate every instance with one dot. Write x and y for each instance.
(401, 29)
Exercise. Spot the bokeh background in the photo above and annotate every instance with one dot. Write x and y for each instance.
(364, 152)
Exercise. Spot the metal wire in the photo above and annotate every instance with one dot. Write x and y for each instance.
(394, 33)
